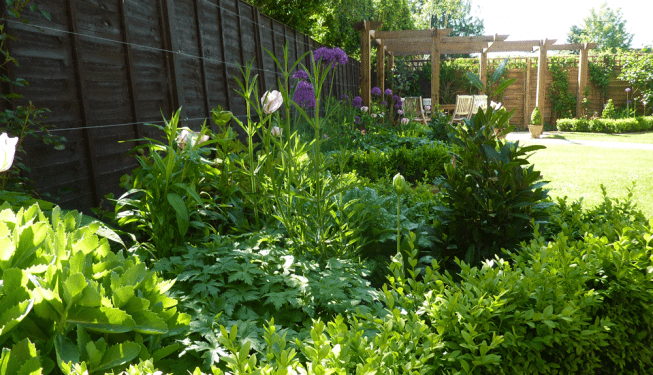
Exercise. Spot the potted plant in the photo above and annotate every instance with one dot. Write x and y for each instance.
(536, 125)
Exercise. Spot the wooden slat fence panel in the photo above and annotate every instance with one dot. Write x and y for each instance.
(106, 68)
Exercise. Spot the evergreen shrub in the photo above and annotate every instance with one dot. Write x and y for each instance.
(623, 125)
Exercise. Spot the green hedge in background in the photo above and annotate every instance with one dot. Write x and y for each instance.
(599, 125)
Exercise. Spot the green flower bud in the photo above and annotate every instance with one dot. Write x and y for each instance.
(399, 183)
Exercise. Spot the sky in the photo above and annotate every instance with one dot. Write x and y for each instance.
(552, 19)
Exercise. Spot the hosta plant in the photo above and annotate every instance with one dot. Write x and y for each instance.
(65, 292)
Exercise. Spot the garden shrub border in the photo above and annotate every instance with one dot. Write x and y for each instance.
(599, 125)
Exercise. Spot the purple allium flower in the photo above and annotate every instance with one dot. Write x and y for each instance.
(396, 98)
(384, 103)
(388, 92)
(628, 102)
(300, 74)
(344, 97)
(627, 89)
(376, 91)
(357, 119)
(330, 56)
(399, 104)
(357, 102)
(304, 94)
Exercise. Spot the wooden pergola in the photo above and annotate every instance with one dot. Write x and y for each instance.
(436, 42)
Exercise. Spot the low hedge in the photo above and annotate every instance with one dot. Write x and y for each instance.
(603, 125)
(415, 164)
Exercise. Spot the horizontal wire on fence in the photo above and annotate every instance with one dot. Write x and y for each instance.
(180, 53)
(127, 124)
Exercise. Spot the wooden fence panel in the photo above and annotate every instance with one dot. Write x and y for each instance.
(106, 68)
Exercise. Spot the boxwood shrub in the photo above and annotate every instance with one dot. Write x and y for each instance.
(415, 164)
(603, 125)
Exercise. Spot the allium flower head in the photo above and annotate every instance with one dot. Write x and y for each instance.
(330, 56)
(357, 102)
(344, 97)
(304, 94)
(300, 74)
(388, 92)
(376, 91)
(357, 119)
(395, 98)
(399, 104)
(384, 103)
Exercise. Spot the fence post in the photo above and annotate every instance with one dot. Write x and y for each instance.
(81, 95)
(435, 69)
(527, 94)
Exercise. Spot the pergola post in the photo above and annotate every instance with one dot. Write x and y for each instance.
(541, 73)
(365, 63)
(483, 68)
(380, 66)
(582, 78)
(391, 66)
(435, 70)
(527, 94)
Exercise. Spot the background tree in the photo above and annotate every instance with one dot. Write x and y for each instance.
(451, 14)
(301, 15)
(606, 27)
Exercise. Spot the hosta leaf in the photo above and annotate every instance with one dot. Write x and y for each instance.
(149, 323)
(101, 319)
(118, 355)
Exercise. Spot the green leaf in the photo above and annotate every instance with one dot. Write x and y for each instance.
(22, 359)
(101, 319)
(117, 355)
(149, 323)
(73, 287)
(499, 71)
(65, 350)
(475, 81)
(179, 206)
(165, 351)
(10, 317)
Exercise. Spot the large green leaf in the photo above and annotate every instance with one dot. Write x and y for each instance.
(179, 206)
(117, 355)
(22, 359)
(149, 323)
(10, 317)
(65, 350)
(73, 287)
(101, 319)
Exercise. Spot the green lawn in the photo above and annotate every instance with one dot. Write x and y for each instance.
(627, 137)
(578, 171)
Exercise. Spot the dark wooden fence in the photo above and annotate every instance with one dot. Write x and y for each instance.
(106, 67)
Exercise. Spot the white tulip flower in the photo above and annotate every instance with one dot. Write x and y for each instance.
(7, 151)
(271, 101)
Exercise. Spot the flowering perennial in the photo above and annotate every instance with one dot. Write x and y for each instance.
(271, 101)
(330, 56)
(304, 94)
(357, 102)
(300, 74)
(376, 91)
(388, 92)
(188, 137)
(276, 131)
(7, 151)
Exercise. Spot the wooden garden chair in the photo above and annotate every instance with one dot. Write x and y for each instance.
(480, 101)
(413, 107)
(463, 109)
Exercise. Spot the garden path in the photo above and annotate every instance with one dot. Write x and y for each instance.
(549, 139)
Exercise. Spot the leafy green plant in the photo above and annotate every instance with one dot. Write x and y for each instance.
(177, 194)
(536, 116)
(563, 102)
(609, 111)
(495, 86)
(624, 125)
(249, 279)
(74, 299)
(490, 197)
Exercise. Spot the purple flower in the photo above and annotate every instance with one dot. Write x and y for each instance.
(344, 97)
(330, 56)
(376, 91)
(304, 94)
(627, 89)
(357, 102)
(628, 102)
(399, 104)
(300, 74)
(384, 103)
(388, 92)
(396, 98)
(357, 119)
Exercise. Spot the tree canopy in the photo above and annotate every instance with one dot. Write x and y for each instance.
(606, 27)
(446, 14)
